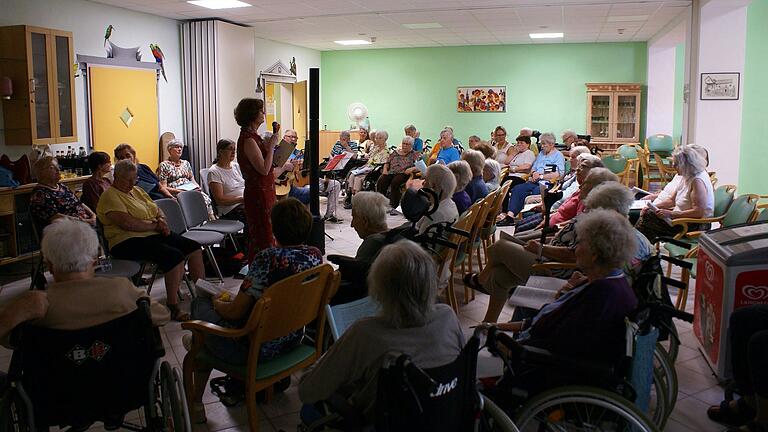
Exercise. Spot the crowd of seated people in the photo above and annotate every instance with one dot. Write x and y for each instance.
(590, 229)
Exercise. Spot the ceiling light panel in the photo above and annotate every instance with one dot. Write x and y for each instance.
(546, 35)
(219, 4)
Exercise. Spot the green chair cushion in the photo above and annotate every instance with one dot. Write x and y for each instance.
(661, 144)
(677, 251)
(266, 368)
(616, 165)
(739, 211)
(763, 216)
(723, 200)
(627, 151)
(693, 269)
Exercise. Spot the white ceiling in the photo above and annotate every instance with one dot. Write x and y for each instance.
(317, 23)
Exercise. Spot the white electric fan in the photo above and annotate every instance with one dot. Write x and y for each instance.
(358, 113)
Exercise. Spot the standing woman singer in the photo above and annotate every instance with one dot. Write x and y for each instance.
(255, 158)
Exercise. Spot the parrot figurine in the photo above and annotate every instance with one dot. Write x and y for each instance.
(107, 34)
(159, 58)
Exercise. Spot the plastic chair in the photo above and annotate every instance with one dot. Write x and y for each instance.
(204, 181)
(618, 165)
(342, 316)
(661, 147)
(633, 153)
(178, 225)
(195, 212)
(762, 216)
(286, 306)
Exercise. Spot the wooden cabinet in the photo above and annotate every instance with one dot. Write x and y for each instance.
(613, 114)
(328, 138)
(39, 62)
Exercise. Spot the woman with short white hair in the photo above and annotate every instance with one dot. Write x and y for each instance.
(476, 188)
(77, 297)
(694, 197)
(369, 220)
(492, 174)
(463, 174)
(445, 150)
(378, 154)
(442, 181)
(403, 281)
(400, 164)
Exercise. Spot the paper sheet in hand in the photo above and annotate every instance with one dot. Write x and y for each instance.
(529, 207)
(639, 204)
(188, 186)
(204, 287)
(283, 152)
(537, 291)
(421, 166)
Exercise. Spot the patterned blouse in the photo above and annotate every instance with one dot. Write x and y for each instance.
(399, 163)
(270, 266)
(45, 203)
(378, 156)
(175, 175)
(339, 149)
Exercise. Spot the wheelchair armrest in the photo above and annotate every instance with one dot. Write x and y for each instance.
(209, 328)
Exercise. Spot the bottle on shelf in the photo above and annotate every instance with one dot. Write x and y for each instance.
(81, 152)
(69, 152)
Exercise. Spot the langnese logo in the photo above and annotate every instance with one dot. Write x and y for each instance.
(709, 270)
(756, 293)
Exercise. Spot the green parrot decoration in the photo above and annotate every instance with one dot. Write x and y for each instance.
(108, 33)
(159, 58)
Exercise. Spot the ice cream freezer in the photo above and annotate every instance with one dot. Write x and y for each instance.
(731, 273)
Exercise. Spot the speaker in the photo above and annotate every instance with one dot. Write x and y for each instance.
(317, 235)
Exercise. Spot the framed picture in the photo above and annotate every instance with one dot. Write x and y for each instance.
(720, 86)
(481, 99)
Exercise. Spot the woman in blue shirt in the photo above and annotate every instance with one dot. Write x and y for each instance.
(549, 166)
(448, 153)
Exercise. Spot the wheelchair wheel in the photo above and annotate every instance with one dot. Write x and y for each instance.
(672, 345)
(172, 404)
(579, 408)
(15, 410)
(658, 408)
(495, 419)
(666, 370)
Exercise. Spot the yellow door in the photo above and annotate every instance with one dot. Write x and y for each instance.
(300, 111)
(123, 109)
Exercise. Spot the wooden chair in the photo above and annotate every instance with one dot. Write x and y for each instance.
(285, 307)
(474, 244)
(633, 153)
(488, 233)
(447, 257)
(658, 148)
(618, 165)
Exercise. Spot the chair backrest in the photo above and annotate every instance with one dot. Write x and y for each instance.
(660, 143)
(741, 210)
(204, 180)
(723, 199)
(464, 223)
(443, 398)
(194, 208)
(73, 376)
(482, 216)
(763, 215)
(342, 316)
(616, 163)
(534, 148)
(628, 151)
(292, 303)
(173, 215)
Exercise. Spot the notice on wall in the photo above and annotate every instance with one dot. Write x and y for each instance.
(270, 108)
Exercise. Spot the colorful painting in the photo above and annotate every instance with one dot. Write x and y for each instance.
(481, 99)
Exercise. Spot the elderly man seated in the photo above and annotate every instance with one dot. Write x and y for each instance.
(136, 229)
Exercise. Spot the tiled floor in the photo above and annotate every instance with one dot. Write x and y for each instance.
(698, 387)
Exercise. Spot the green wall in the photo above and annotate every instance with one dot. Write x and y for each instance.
(753, 177)
(545, 85)
(677, 118)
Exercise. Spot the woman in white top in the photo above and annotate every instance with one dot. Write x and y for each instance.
(226, 183)
(504, 149)
(693, 198)
(521, 161)
(440, 179)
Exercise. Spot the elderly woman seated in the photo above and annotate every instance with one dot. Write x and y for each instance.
(587, 321)
(443, 183)
(136, 229)
(463, 174)
(510, 262)
(226, 183)
(146, 178)
(492, 174)
(378, 154)
(291, 224)
(399, 165)
(176, 175)
(403, 281)
(52, 200)
(476, 188)
(78, 298)
(693, 198)
(445, 150)
(369, 220)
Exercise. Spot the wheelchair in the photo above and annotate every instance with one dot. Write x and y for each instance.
(408, 398)
(76, 377)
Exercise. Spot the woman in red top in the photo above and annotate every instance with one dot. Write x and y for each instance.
(255, 158)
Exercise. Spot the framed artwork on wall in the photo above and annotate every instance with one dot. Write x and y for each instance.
(720, 86)
(481, 99)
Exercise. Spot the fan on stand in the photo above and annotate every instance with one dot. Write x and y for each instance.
(358, 113)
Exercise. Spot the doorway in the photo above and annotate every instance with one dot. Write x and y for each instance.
(286, 103)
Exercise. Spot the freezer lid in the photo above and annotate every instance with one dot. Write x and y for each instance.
(738, 245)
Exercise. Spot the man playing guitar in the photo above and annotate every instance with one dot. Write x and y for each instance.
(329, 188)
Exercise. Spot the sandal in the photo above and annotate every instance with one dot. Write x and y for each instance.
(178, 314)
(723, 413)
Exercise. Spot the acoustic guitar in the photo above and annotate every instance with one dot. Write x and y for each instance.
(284, 181)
